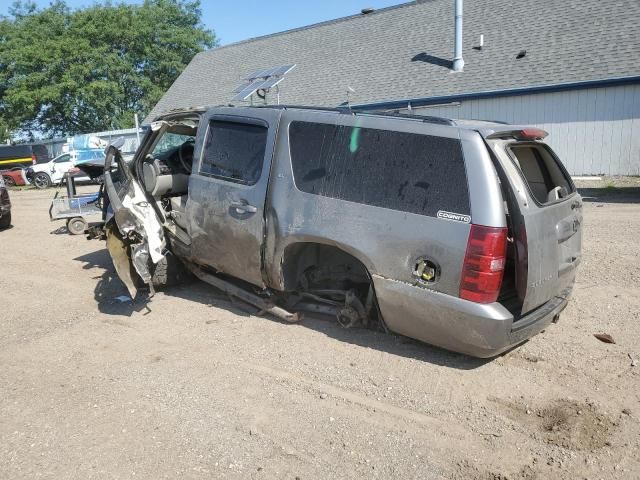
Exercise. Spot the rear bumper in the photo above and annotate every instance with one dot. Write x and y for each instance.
(459, 325)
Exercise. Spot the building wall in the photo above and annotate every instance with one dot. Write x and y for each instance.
(594, 131)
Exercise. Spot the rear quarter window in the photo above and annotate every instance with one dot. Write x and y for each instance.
(403, 171)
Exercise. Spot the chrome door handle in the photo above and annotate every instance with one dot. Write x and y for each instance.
(244, 208)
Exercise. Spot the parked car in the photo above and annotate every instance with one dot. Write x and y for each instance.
(14, 176)
(23, 155)
(461, 234)
(44, 175)
(5, 206)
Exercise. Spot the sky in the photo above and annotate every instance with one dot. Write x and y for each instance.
(241, 19)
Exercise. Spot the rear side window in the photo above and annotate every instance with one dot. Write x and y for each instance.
(402, 171)
(234, 151)
(548, 181)
(62, 159)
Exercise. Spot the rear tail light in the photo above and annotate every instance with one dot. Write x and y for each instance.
(483, 264)
(529, 133)
(33, 159)
(533, 133)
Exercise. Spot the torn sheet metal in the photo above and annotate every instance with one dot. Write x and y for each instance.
(119, 252)
(147, 219)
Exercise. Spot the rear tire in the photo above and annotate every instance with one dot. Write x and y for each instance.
(169, 272)
(76, 225)
(5, 222)
(42, 180)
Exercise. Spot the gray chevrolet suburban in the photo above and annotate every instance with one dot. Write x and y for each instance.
(461, 234)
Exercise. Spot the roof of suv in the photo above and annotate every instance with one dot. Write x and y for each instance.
(484, 127)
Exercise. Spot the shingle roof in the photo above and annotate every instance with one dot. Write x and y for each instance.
(403, 52)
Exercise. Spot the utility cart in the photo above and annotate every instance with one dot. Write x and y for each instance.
(77, 210)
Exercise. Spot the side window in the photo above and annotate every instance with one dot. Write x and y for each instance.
(63, 159)
(234, 151)
(403, 171)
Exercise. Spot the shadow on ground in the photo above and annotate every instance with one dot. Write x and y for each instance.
(63, 230)
(109, 288)
(113, 298)
(109, 291)
(611, 194)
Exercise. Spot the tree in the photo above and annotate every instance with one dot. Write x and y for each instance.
(66, 71)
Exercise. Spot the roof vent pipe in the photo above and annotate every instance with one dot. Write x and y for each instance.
(458, 62)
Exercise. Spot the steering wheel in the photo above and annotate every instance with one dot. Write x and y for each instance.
(181, 155)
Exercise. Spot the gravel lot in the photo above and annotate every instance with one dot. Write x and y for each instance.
(191, 386)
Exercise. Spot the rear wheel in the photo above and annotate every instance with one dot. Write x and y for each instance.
(76, 225)
(9, 181)
(42, 180)
(5, 221)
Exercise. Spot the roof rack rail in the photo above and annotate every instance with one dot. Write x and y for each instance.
(346, 110)
(499, 122)
(306, 107)
(410, 116)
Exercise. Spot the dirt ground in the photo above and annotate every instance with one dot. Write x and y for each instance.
(191, 386)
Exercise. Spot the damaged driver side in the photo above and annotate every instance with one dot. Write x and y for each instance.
(406, 223)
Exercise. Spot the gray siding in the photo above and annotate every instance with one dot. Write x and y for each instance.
(594, 131)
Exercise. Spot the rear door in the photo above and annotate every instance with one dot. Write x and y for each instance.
(227, 190)
(546, 219)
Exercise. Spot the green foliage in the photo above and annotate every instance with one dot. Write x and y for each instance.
(66, 71)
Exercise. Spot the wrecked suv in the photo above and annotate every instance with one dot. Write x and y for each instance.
(465, 235)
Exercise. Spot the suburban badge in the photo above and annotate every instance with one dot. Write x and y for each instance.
(456, 217)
